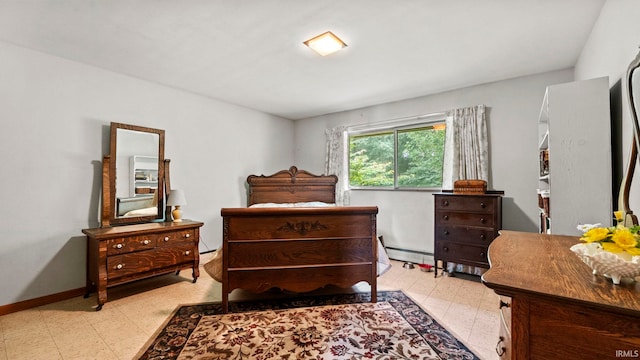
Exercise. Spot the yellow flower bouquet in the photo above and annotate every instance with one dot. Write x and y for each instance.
(611, 251)
(615, 239)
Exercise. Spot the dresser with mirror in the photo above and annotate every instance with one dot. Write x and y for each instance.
(137, 238)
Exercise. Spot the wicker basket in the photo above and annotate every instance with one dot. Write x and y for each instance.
(469, 187)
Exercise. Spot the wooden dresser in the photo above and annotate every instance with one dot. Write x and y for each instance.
(464, 227)
(120, 254)
(552, 307)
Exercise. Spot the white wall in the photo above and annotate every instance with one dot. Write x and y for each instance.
(55, 118)
(406, 217)
(613, 44)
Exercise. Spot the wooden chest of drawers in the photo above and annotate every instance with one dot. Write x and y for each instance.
(464, 227)
(116, 255)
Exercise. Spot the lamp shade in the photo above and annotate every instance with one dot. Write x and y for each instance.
(176, 198)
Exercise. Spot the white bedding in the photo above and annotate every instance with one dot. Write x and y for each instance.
(143, 212)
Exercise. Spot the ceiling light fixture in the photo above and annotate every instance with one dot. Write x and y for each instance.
(325, 44)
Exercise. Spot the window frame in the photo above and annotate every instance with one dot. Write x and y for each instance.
(395, 126)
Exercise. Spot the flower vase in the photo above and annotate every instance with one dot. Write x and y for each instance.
(613, 265)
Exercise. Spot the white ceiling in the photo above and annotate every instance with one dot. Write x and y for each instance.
(250, 52)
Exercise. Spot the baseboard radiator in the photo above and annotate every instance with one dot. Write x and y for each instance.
(414, 256)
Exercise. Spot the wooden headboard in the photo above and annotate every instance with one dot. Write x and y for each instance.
(289, 186)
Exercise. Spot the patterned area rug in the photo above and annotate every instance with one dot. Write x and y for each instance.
(344, 326)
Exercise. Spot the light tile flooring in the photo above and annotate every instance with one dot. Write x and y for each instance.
(72, 329)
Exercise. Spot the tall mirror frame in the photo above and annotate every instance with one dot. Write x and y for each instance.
(119, 177)
(632, 82)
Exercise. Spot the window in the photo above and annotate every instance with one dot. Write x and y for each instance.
(408, 157)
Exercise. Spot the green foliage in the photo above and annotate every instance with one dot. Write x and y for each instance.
(420, 156)
(371, 160)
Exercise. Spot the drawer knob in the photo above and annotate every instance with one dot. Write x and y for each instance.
(483, 236)
(446, 217)
(504, 304)
(445, 248)
(187, 252)
(187, 235)
(446, 232)
(483, 220)
(500, 350)
(117, 246)
(482, 254)
(166, 238)
(483, 205)
(146, 241)
(119, 266)
(445, 203)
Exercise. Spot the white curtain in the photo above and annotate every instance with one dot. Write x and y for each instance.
(335, 158)
(466, 149)
(466, 156)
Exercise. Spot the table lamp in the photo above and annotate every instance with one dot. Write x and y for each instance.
(177, 199)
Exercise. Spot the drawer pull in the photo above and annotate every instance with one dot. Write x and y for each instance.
(483, 236)
(482, 254)
(166, 238)
(483, 205)
(146, 241)
(187, 235)
(445, 203)
(500, 350)
(446, 217)
(117, 246)
(446, 232)
(445, 248)
(187, 252)
(483, 220)
(119, 266)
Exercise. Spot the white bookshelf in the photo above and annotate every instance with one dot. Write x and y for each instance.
(574, 127)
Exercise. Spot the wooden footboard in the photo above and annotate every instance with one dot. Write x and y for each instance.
(298, 249)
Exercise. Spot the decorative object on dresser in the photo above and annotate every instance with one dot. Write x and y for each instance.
(574, 140)
(143, 244)
(469, 187)
(464, 226)
(177, 199)
(553, 307)
(297, 248)
(613, 252)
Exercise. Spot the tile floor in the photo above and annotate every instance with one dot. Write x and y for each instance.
(72, 329)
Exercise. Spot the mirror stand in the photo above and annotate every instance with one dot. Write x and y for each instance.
(105, 219)
(167, 189)
(632, 81)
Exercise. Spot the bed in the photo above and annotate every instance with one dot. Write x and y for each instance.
(284, 240)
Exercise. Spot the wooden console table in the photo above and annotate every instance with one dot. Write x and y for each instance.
(552, 307)
(120, 254)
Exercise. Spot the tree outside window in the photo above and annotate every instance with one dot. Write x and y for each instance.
(397, 158)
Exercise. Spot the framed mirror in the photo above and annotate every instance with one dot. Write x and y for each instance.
(135, 177)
